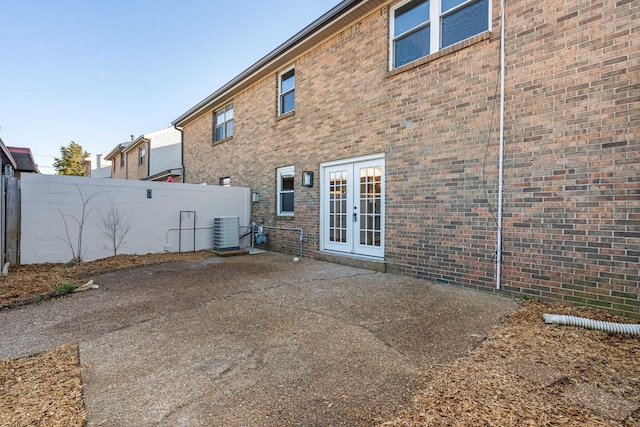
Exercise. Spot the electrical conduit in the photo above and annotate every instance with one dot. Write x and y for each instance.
(619, 328)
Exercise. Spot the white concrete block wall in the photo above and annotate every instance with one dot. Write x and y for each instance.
(153, 221)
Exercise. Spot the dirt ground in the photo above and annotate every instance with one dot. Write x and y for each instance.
(525, 373)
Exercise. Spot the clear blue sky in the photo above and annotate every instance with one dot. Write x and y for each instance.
(97, 71)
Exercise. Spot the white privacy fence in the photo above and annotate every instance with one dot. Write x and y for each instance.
(152, 212)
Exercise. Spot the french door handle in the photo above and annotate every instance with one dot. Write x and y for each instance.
(355, 214)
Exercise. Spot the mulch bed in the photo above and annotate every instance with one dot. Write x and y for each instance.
(532, 374)
(26, 284)
(43, 390)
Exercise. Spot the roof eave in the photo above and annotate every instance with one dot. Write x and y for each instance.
(135, 143)
(7, 155)
(111, 155)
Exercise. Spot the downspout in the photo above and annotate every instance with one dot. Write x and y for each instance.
(148, 148)
(179, 129)
(501, 160)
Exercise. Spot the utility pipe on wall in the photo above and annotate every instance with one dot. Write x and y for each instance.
(501, 160)
(302, 238)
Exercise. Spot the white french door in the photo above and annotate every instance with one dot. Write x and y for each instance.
(353, 207)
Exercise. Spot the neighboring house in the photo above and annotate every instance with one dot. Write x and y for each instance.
(117, 157)
(25, 162)
(98, 166)
(154, 156)
(379, 131)
(8, 162)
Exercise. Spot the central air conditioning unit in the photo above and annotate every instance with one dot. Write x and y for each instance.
(226, 233)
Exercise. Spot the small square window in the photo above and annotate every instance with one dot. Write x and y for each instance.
(225, 182)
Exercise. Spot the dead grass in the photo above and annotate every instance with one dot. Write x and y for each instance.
(526, 373)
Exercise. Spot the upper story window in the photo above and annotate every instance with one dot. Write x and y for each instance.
(141, 153)
(285, 190)
(422, 27)
(287, 91)
(224, 123)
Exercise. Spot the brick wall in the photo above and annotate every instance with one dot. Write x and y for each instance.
(573, 153)
(120, 172)
(135, 169)
(571, 187)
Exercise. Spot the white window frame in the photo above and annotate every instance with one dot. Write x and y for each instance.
(225, 110)
(281, 94)
(141, 154)
(285, 172)
(435, 31)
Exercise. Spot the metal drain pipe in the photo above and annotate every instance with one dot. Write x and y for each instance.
(620, 328)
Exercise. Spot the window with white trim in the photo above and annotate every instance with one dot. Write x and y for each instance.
(285, 177)
(422, 27)
(225, 182)
(223, 123)
(287, 91)
(141, 153)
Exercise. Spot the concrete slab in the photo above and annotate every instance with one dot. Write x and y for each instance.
(254, 340)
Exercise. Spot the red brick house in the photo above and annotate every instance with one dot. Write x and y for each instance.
(398, 111)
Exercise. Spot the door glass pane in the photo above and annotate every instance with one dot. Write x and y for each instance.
(338, 210)
(370, 199)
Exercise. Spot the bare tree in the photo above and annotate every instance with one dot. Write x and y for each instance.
(76, 252)
(115, 226)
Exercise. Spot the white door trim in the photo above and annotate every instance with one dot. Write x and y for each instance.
(353, 248)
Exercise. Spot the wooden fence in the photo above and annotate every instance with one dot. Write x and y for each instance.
(10, 221)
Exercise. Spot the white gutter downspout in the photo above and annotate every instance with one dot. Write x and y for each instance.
(501, 161)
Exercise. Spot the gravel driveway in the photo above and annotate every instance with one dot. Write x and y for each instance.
(255, 340)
